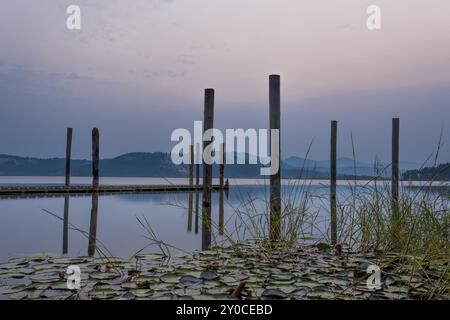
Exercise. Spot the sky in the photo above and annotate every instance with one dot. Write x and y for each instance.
(137, 70)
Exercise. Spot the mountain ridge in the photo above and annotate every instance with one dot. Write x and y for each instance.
(159, 164)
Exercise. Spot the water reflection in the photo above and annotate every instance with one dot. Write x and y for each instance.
(112, 224)
(66, 225)
(221, 212)
(197, 196)
(190, 205)
(93, 225)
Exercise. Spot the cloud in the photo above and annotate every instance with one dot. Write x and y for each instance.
(164, 73)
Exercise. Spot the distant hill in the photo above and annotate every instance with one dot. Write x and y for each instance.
(138, 164)
(159, 164)
(438, 173)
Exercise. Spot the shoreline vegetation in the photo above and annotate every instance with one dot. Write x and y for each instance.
(410, 246)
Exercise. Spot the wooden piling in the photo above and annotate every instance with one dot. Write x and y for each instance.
(395, 215)
(395, 158)
(95, 184)
(68, 155)
(275, 179)
(208, 123)
(333, 176)
(95, 157)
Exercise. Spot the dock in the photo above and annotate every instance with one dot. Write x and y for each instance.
(24, 191)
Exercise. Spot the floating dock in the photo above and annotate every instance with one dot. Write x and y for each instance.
(18, 191)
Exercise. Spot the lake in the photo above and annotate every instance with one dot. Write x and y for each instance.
(32, 225)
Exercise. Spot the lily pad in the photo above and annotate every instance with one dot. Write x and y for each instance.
(103, 294)
(141, 293)
(170, 278)
(209, 275)
(104, 275)
(274, 294)
(188, 280)
(12, 289)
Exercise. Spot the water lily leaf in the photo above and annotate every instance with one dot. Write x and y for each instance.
(19, 261)
(161, 286)
(150, 256)
(308, 284)
(282, 282)
(187, 280)
(220, 290)
(192, 273)
(34, 294)
(239, 276)
(12, 289)
(213, 297)
(55, 294)
(61, 285)
(26, 271)
(12, 274)
(66, 261)
(274, 294)
(50, 266)
(128, 296)
(141, 293)
(45, 277)
(43, 256)
(19, 295)
(129, 285)
(103, 293)
(104, 275)
(145, 280)
(321, 295)
(209, 275)
(170, 278)
(285, 289)
(229, 281)
(10, 266)
(38, 286)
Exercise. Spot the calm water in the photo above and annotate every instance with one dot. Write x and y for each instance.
(27, 227)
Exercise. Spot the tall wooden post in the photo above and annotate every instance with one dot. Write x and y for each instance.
(333, 174)
(208, 123)
(275, 180)
(395, 158)
(197, 164)
(395, 216)
(95, 157)
(222, 166)
(68, 155)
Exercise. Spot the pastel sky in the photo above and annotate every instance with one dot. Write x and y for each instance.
(137, 70)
